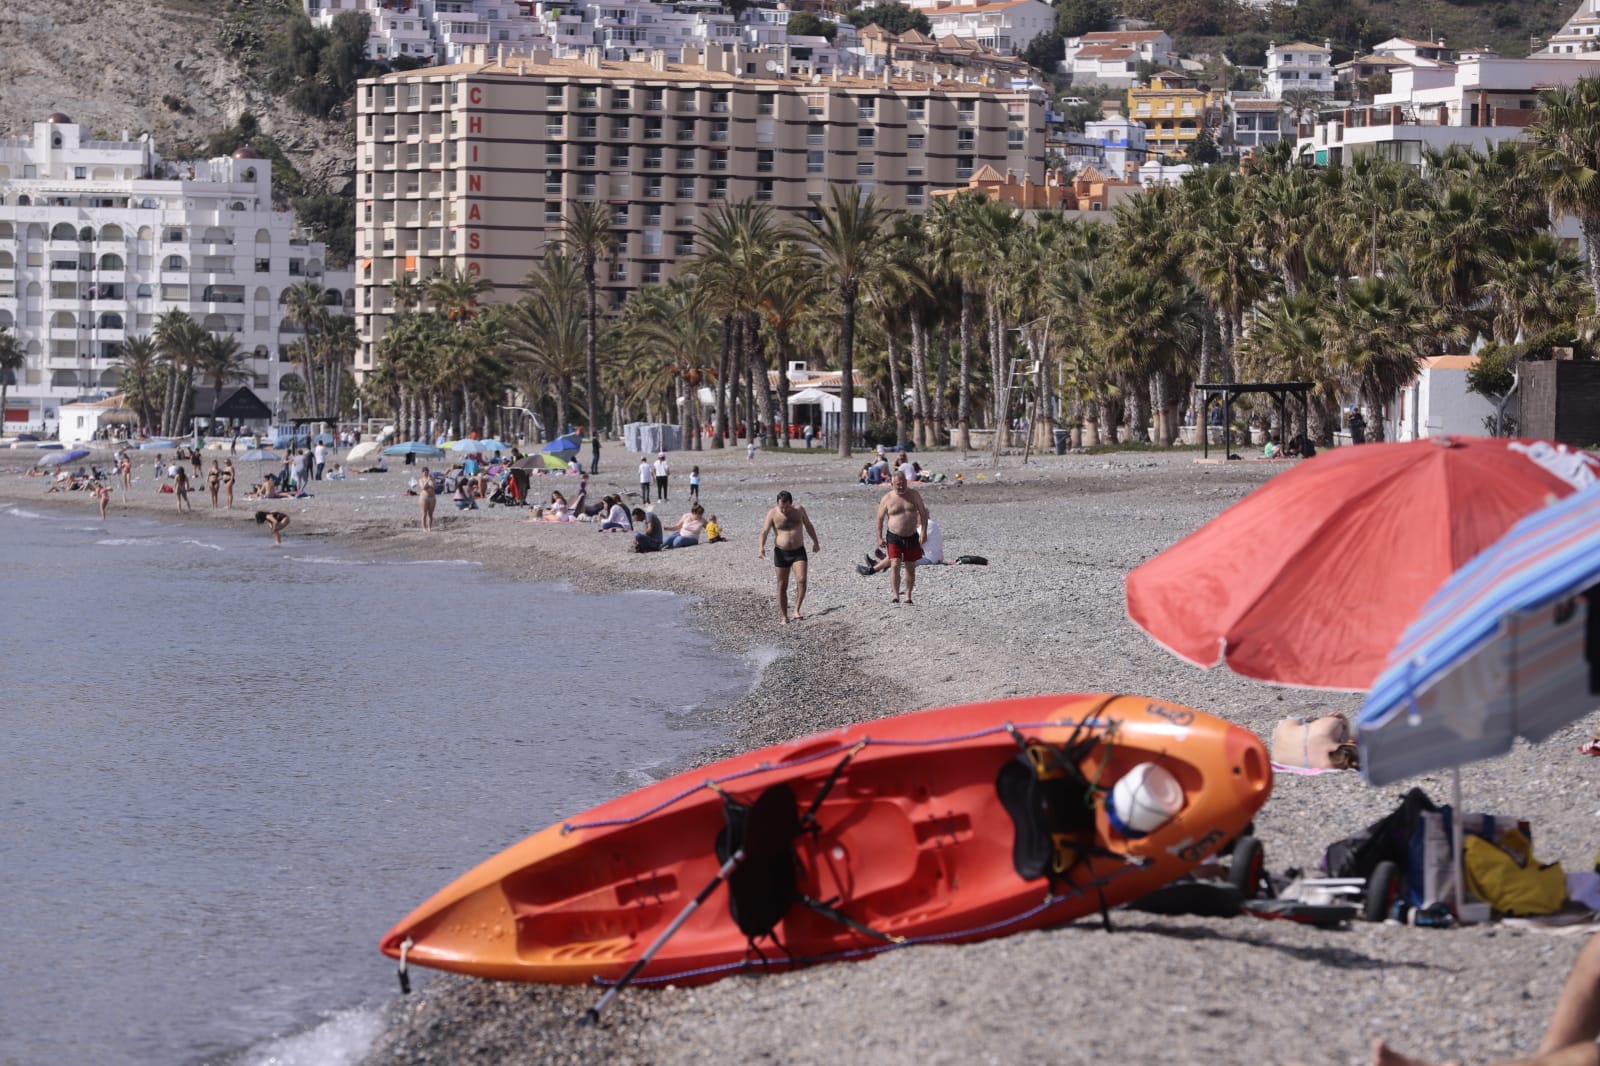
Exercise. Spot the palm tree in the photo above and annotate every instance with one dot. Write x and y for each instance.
(545, 331)
(1564, 154)
(11, 359)
(845, 238)
(181, 341)
(138, 376)
(673, 337)
(589, 236)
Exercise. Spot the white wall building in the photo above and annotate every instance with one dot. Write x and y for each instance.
(1113, 58)
(1438, 404)
(99, 238)
(1121, 144)
(1007, 26)
(1307, 67)
(1481, 99)
(1580, 33)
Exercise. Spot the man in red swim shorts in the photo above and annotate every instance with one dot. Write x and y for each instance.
(902, 528)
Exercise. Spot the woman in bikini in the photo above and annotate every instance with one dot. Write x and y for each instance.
(214, 482)
(429, 499)
(227, 481)
(276, 521)
(180, 486)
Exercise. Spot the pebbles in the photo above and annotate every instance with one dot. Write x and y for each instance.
(1045, 615)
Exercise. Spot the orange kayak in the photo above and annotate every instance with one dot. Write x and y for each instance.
(948, 825)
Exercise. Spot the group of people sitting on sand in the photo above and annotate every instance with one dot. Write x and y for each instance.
(881, 470)
(650, 534)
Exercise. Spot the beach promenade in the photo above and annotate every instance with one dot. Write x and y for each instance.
(1046, 615)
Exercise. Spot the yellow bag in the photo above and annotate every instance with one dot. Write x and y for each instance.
(1505, 876)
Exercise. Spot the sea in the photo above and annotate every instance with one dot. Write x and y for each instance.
(227, 768)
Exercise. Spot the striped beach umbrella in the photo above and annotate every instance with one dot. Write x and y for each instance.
(1509, 646)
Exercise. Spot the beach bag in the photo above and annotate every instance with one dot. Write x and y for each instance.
(1504, 875)
(972, 560)
(1386, 840)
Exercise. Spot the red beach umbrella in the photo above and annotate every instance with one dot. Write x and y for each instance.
(1311, 578)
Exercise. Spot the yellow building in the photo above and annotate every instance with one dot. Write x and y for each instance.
(1173, 111)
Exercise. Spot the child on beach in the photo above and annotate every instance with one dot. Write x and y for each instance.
(694, 484)
(713, 531)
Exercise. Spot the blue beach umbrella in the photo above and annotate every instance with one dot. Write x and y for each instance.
(49, 446)
(567, 446)
(481, 447)
(260, 455)
(1509, 646)
(415, 447)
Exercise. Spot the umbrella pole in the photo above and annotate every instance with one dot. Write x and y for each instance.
(1455, 839)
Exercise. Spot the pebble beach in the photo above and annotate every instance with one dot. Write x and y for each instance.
(1046, 615)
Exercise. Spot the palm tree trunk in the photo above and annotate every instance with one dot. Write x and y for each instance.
(941, 409)
(847, 359)
(720, 430)
(964, 386)
(919, 381)
(1590, 229)
(591, 360)
(780, 337)
(999, 367)
(897, 397)
(758, 378)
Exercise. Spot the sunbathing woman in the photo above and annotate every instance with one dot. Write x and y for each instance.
(276, 521)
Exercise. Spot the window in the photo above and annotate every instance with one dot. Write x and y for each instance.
(863, 170)
(552, 98)
(591, 127)
(1016, 138)
(652, 215)
(764, 190)
(620, 130)
(588, 97)
(619, 158)
(719, 188)
(815, 161)
(764, 104)
(914, 194)
(719, 103)
(264, 266)
(719, 160)
(719, 132)
(587, 159)
(917, 110)
(655, 100)
(652, 129)
(963, 167)
(80, 173)
(552, 155)
(967, 110)
(686, 159)
(868, 106)
(652, 159)
(964, 140)
(915, 141)
(815, 134)
(652, 187)
(685, 131)
(764, 162)
(622, 99)
(866, 139)
(552, 210)
(619, 273)
(553, 129)
(686, 188)
(815, 103)
(552, 181)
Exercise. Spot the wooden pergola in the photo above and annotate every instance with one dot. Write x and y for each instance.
(1280, 391)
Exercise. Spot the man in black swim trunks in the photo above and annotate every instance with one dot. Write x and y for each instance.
(902, 529)
(789, 525)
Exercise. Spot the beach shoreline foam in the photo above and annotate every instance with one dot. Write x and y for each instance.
(1046, 615)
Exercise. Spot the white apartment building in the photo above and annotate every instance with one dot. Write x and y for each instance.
(444, 30)
(1580, 33)
(1007, 26)
(473, 167)
(1481, 99)
(1112, 57)
(1307, 67)
(1255, 121)
(99, 238)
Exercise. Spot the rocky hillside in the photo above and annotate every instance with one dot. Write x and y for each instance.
(154, 66)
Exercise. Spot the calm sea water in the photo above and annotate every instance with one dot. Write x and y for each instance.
(227, 769)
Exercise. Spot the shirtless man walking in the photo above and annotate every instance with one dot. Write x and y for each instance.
(789, 525)
(902, 529)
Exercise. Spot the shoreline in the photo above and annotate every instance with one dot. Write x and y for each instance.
(1045, 616)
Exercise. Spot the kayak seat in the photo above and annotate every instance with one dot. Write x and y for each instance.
(766, 883)
(1052, 808)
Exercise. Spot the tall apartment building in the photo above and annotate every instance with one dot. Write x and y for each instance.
(472, 167)
(99, 238)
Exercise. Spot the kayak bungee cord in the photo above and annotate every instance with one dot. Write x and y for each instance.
(851, 747)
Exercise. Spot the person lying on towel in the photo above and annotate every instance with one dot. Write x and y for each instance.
(1315, 743)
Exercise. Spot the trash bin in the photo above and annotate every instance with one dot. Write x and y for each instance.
(1062, 437)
